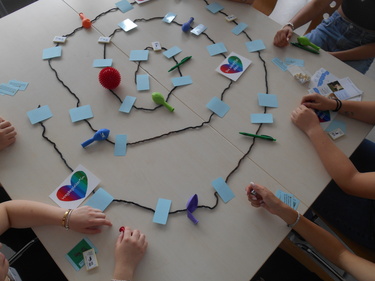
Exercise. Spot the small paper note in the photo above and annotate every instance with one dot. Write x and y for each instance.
(102, 63)
(255, 45)
(100, 200)
(80, 113)
(239, 28)
(39, 114)
(138, 55)
(172, 52)
(120, 145)
(143, 82)
(162, 211)
(182, 81)
(168, 18)
(124, 6)
(268, 100)
(223, 189)
(214, 7)
(127, 25)
(217, 106)
(216, 49)
(261, 118)
(53, 52)
(127, 104)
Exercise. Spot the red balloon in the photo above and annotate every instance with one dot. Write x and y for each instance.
(109, 77)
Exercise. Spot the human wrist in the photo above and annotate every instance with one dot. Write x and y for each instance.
(288, 25)
(122, 272)
(289, 215)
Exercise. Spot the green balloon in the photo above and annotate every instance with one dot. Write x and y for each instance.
(304, 41)
(158, 98)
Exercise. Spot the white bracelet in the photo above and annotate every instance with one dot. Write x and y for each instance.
(289, 24)
(297, 220)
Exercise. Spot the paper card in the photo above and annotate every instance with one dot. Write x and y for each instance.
(7, 89)
(59, 39)
(100, 200)
(75, 188)
(75, 255)
(19, 84)
(80, 113)
(102, 63)
(214, 7)
(141, 1)
(292, 61)
(156, 46)
(255, 45)
(216, 49)
(168, 18)
(172, 52)
(53, 52)
(39, 114)
(138, 55)
(127, 25)
(223, 189)
(199, 29)
(182, 81)
(217, 106)
(268, 100)
(120, 145)
(90, 259)
(261, 118)
(239, 28)
(124, 6)
(104, 40)
(280, 64)
(143, 82)
(336, 124)
(342, 89)
(233, 66)
(127, 104)
(162, 211)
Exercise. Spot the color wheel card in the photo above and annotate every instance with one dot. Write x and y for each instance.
(75, 188)
(233, 66)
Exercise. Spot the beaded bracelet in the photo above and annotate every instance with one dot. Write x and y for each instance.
(297, 220)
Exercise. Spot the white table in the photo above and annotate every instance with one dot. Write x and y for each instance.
(230, 242)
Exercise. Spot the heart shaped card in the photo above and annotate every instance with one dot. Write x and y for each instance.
(233, 66)
(75, 188)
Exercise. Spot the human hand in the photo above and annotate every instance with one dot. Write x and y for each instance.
(130, 248)
(7, 134)
(283, 36)
(4, 266)
(87, 220)
(319, 102)
(305, 119)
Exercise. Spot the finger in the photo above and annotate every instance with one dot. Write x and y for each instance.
(120, 237)
(128, 231)
(136, 234)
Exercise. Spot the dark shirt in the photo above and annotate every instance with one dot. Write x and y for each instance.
(360, 12)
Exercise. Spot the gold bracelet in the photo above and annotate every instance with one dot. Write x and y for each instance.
(65, 219)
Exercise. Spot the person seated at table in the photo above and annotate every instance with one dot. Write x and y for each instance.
(323, 241)
(348, 34)
(7, 134)
(130, 245)
(348, 201)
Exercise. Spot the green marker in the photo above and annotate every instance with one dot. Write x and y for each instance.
(265, 137)
(158, 98)
(181, 62)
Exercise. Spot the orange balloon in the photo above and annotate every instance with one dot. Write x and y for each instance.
(86, 23)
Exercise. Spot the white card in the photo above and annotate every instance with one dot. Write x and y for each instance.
(233, 66)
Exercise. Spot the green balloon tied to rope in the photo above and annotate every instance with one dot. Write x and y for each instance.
(158, 98)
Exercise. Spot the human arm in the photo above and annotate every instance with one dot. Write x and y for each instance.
(23, 213)
(7, 133)
(130, 248)
(337, 164)
(244, 1)
(358, 53)
(310, 11)
(320, 239)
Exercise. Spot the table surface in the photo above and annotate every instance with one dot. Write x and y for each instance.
(231, 241)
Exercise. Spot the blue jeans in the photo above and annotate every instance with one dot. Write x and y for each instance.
(353, 216)
(337, 34)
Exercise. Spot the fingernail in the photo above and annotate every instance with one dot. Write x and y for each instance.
(122, 229)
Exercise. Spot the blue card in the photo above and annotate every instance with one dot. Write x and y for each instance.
(280, 64)
(120, 145)
(53, 52)
(138, 55)
(143, 82)
(102, 63)
(214, 7)
(261, 118)
(223, 189)
(268, 100)
(255, 45)
(168, 18)
(127, 25)
(181, 81)
(172, 52)
(216, 49)
(292, 61)
(127, 104)
(19, 84)
(8, 89)
(162, 211)
(100, 200)
(239, 28)
(124, 6)
(336, 124)
(80, 113)
(219, 107)
(39, 114)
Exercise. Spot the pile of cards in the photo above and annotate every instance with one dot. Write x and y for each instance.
(288, 199)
